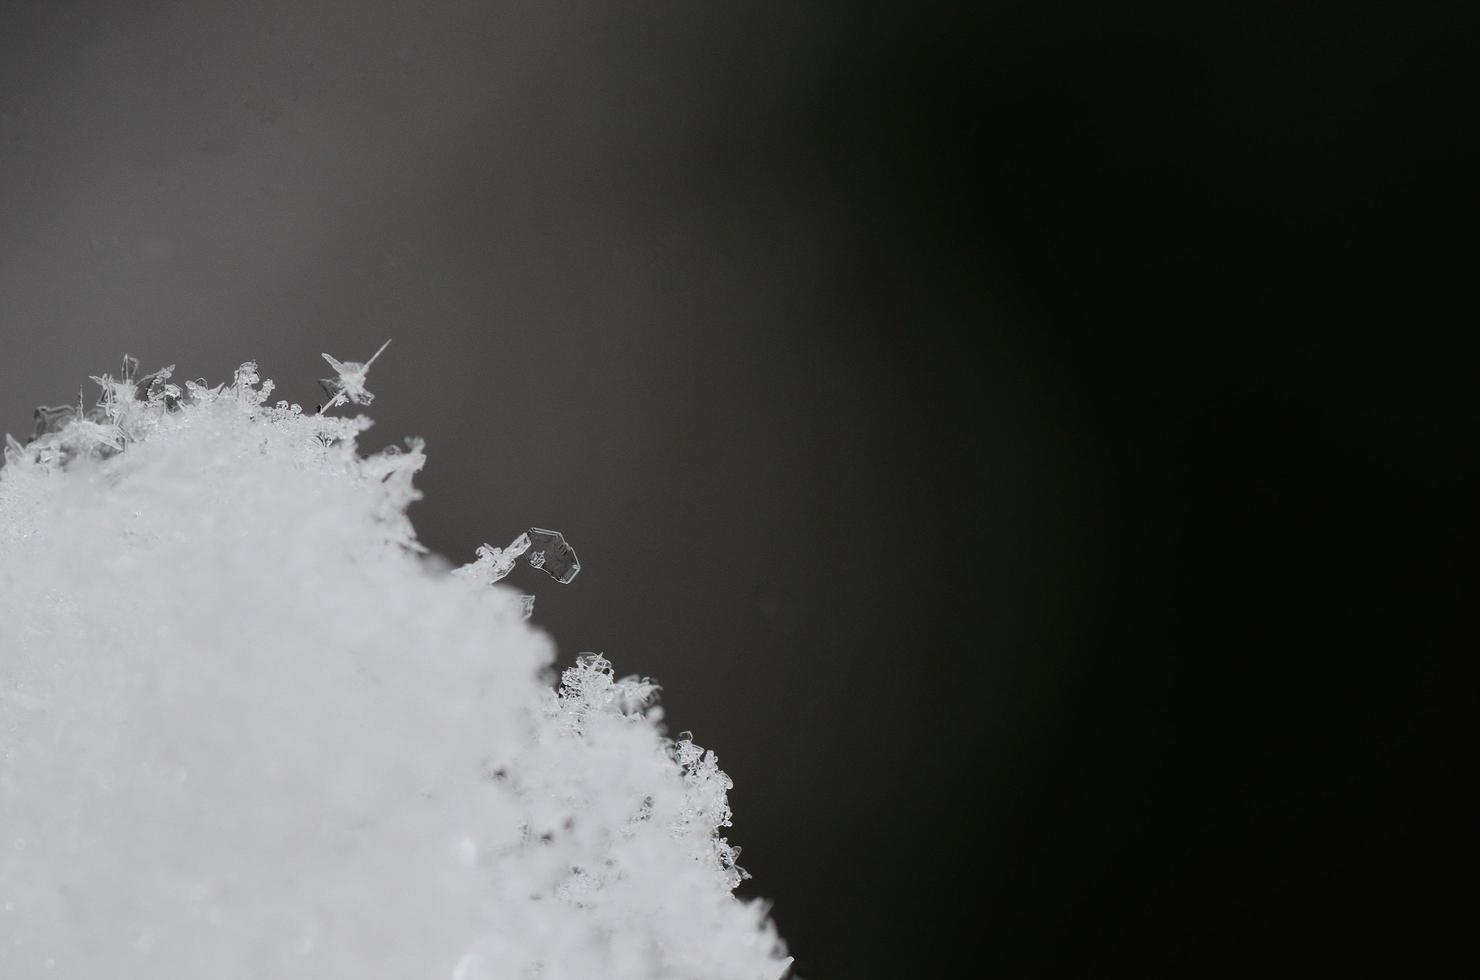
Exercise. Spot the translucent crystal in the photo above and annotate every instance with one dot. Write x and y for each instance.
(545, 550)
(246, 375)
(550, 554)
(52, 418)
(200, 392)
(153, 384)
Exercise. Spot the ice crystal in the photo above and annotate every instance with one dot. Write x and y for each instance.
(348, 384)
(248, 730)
(545, 550)
(550, 554)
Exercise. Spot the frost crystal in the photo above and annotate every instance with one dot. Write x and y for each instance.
(349, 382)
(247, 730)
(545, 550)
(550, 554)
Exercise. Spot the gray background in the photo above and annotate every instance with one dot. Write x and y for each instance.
(980, 418)
(609, 242)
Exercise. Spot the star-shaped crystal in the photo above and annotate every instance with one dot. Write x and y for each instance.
(349, 383)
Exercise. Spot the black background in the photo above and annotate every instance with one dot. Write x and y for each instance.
(1024, 439)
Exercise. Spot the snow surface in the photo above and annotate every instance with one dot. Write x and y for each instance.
(249, 730)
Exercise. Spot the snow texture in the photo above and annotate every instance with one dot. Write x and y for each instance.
(248, 729)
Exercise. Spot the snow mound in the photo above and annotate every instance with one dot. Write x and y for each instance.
(249, 730)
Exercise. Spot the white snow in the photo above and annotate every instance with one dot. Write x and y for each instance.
(249, 730)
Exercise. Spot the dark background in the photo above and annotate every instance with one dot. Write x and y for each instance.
(1023, 438)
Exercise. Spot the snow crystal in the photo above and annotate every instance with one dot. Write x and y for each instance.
(248, 729)
(549, 553)
(348, 385)
(545, 550)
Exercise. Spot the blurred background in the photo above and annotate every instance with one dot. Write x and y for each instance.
(996, 425)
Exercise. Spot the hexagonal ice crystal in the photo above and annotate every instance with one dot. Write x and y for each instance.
(549, 553)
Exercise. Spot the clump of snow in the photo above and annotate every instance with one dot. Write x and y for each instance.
(248, 730)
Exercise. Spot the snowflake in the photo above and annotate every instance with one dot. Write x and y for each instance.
(349, 383)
